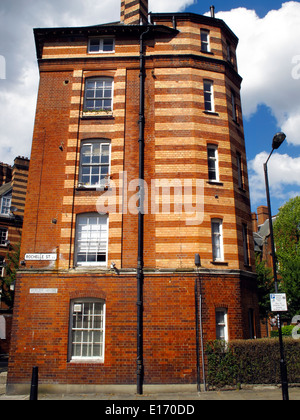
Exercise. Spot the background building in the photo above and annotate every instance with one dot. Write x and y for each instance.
(13, 185)
(76, 294)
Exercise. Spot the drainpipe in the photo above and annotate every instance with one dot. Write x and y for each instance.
(140, 262)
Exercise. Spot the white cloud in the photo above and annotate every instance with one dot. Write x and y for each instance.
(284, 177)
(19, 90)
(160, 6)
(266, 56)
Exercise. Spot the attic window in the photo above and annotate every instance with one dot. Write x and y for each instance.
(5, 204)
(101, 45)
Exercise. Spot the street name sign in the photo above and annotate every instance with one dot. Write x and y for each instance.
(40, 257)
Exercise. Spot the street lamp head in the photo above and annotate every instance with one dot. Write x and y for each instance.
(278, 140)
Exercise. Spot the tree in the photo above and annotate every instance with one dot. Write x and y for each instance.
(265, 284)
(287, 234)
(12, 265)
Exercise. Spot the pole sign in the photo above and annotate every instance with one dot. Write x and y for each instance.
(278, 302)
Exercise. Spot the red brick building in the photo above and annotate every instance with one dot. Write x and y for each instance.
(13, 185)
(118, 103)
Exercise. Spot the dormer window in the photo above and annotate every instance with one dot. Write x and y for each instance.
(5, 204)
(101, 45)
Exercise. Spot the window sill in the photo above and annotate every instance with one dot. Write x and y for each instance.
(207, 52)
(212, 113)
(221, 263)
(90, 115)
(218, 183)
(86, 361)
(100, 189)
(101, 52)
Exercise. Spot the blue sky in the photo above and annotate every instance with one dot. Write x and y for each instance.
(268, 59)
(261, 7)
(260, 126)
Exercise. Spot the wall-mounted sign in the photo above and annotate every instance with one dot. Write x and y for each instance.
(278, 302)
(40, 257)
(43, 291)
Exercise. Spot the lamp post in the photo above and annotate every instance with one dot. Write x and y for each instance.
(277, 142)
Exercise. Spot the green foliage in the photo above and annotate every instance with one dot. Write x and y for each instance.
(265, 284)
(222, 367)
(286, 331)
(287, 234)
(250, 362)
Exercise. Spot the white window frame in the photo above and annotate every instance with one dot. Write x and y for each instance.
(2, 268)
(228, 50)
(209, 105)
(101, 45)
(215, 160)
(3, 236)
(205, 40)
(234, 108)
(217, 238)
(84, 335)
(94, 167)
(223, 325)
(245, 244)
(89, 245)
(239, 170)
(95, 97)
(6, 204)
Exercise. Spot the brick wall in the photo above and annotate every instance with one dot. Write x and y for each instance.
(169, 326)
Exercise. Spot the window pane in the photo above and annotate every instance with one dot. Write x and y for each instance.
(108, 45)
(95, 159)
(220, 317)
(87, 337)
(92, 238)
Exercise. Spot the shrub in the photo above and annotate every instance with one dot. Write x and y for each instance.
(286, 331)
(251, 362)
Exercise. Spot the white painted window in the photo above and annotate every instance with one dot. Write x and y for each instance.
(5, 204)
(217, 239)
(101, 45)
(3, 236)
(245, 244)
(92, 239)
(205, 41)
(99, 94)
(87, 330)
(94, 163)
(208, 88)
(234, 108)
(239, 170)
(221, 324)
(213, 162)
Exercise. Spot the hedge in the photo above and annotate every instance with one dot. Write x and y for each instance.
(250, 362)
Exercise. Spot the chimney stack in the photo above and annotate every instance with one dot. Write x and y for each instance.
(262, 214)
(134, 12)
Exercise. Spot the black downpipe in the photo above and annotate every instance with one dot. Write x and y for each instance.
(197, 335)
(140, 263)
